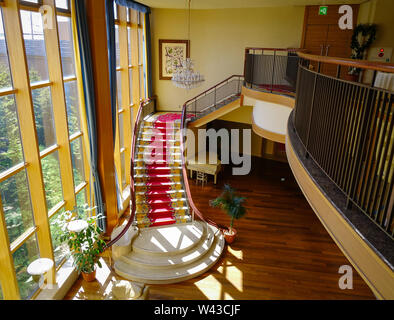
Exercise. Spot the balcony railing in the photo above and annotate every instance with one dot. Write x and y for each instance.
(215, 97)
(347, 128)
(271, 69)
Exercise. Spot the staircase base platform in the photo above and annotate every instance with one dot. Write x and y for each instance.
(170, 254)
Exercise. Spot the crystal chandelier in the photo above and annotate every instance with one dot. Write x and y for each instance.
(184, 75)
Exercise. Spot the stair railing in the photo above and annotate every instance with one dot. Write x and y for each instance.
(197, 107)
(146, 107)
(214, 97)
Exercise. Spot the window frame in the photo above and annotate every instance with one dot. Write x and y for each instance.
(32, 156)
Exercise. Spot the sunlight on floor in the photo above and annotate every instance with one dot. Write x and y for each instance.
(236, 253)
(232, 275)
(210, 287)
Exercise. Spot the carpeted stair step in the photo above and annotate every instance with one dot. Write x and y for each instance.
(160, 124)
(151, 178)
(149, 141)
(157, 170)
(156, 212)
(152, 186)
(158, 156)
(158, 194)
(158, 163)
(159, 148)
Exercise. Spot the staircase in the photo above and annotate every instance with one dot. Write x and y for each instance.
(160, 197)
(165, 244)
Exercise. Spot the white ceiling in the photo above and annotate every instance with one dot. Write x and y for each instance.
(222, 4)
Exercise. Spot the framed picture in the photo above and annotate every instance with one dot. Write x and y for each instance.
(171, 53)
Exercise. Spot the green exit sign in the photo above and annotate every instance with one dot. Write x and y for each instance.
(323, 10)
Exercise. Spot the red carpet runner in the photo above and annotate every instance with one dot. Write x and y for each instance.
(160, 194)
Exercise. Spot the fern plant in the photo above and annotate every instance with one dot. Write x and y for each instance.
(231, 203)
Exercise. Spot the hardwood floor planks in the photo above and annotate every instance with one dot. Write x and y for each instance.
(282, 250)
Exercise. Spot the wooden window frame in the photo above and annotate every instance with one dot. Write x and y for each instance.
(32, 155)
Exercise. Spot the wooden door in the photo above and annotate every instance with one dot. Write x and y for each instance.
(322, 35)
(315, 39)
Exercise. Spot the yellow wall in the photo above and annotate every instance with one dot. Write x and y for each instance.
(381, 13)
(218, 41)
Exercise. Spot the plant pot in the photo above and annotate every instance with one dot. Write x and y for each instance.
(89, 276)
(229, 235)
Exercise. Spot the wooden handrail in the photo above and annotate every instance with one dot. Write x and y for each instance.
(276, 49)
(132, 187)
(362, 64)
(185, 178)
(213, 87)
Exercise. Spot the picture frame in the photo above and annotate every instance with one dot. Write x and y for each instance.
(171, 52)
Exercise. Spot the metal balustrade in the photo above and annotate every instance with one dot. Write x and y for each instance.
(347, 128)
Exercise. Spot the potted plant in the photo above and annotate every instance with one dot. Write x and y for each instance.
(232, 204)
(363, 36)
(83, 237)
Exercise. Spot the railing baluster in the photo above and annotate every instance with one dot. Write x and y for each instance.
(347, 129)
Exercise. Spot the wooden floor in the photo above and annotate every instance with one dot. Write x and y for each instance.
(282, 250)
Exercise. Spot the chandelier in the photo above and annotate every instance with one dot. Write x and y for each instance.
(184, 75)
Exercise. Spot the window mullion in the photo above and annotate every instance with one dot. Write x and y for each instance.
(8, 279)
(59, 108)
(24, 102)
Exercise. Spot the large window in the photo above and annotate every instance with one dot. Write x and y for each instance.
(131, 86)
(43, 167)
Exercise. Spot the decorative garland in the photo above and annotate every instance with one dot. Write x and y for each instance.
(366, 30)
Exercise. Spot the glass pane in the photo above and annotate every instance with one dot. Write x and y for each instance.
(5, 75)
(117, 48)
(121, 131)
(42, 103)
(10, 139)
(115, 11)
(82, 205)
(66, 45)
(119, 89)
(25, 255)
(62, 4)
(72, 102)
(142, 95)
(123, 168)
(140, 46)
(33, 34)
(131, 85)
(127, 15)
(77, 161)
(17, 208)
(52, 180)
(31, 1)
(60, 249)
(129, 43)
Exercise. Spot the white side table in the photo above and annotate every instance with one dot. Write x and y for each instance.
(38, 268)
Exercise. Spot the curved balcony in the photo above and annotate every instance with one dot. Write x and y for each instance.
(339, 145)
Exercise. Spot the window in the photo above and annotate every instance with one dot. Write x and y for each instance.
(41, 139)
(131, 88)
